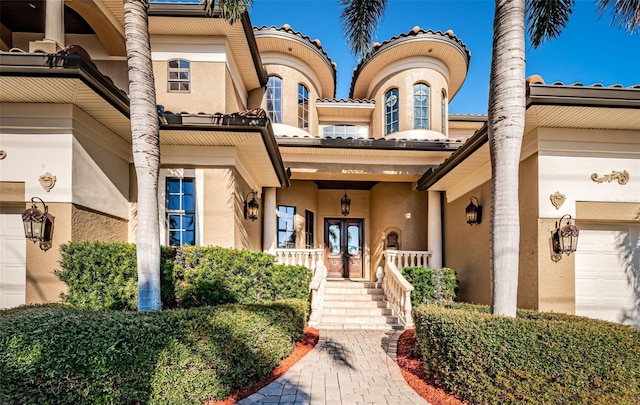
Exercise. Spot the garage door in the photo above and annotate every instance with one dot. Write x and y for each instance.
(12, 261)
(608, 273)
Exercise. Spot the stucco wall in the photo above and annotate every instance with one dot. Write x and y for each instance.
(42, 285)
(91, 225)
(528, 264)
(207, 79)
(234, 101)
(290, 80)
(304, 196)
(466, 247)
(219, 207)
(397, 207)
(248, 234)
(404, 81)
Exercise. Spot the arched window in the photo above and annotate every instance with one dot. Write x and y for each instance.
(391, 111)
(179, 75)
(274, 99)
(303, 107)
(443, 108)
(420, 106)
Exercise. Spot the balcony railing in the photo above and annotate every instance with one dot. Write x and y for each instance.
(300, 257)
(408, 258)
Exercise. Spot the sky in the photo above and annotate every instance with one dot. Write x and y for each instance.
(589, 51)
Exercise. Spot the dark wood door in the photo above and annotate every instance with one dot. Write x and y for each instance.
(343, 247)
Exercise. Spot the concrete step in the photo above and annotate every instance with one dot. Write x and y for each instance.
(360, 320)
(342, 326)
(356, 312)
(354, 304)
(355, 285)
(352, 291)
(354, 297)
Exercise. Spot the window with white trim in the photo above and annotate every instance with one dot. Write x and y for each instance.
(303, 107)
(286, 227)
(274, 99)
(179, 75)
(181, 211)
(420, 106)
(391, 111)
(443, 108)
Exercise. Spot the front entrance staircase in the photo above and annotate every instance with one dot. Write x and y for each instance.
(356, 305)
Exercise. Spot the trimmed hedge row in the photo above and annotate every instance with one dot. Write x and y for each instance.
(532, 359)
(431, 285)
(104, 276)
(55, 354)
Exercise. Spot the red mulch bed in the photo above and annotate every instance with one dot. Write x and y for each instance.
(304, 346)
(413, 372)
(411, 368)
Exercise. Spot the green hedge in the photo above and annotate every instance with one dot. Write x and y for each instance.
(104, 276)
(532, 359)
(55, 354)
(431, 285)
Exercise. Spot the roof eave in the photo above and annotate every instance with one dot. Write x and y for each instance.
(610, 97)
(378, 144)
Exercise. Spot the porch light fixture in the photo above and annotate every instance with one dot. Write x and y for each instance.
(251, 206)
(565, 238)
(474, 212)
(38, 225)
(345, 204)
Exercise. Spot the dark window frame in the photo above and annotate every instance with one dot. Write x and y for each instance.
(286, 237)
(179, 71)
(182, 214)
(303, 107)
(391, 111)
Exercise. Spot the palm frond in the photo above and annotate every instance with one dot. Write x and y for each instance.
(230, 10)
(625, 12)
(360, 20)
(546, 19)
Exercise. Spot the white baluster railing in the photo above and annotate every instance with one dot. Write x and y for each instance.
(314, 260)
(408, 258)
(300, 257)
(396, 288)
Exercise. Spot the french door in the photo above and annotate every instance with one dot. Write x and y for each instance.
(343, 247)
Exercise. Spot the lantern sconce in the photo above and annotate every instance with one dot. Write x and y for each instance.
(474, 212)
(345, 204)
(565, 238)
(38, 225)
(251, 206)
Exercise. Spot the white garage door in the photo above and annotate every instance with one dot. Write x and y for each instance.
(608, 273)
(12, 261)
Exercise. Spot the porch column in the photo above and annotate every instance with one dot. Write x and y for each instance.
(54, 22)
(270, 222)
(434, 228)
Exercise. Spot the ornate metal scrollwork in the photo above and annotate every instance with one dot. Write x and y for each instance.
(622, 177)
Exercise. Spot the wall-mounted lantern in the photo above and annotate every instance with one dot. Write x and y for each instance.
(565, 238)
(345, 204)
(251, 206)
(474, 212)
(38, 225)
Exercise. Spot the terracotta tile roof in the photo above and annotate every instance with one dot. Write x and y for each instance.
(415, 32)
(287, 29)
(537, 79)
(346, 100)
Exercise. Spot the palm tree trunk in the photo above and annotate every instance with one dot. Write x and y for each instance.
(145, 134)
(506, 130)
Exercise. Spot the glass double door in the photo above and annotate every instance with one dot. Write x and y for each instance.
(343, 247)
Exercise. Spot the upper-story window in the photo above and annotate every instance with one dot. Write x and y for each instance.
(179, 75)
(303, 107)
(443, 109)
(181, 211)
(420, 106)
(345, 131)
(286, 227)
(391, 111)
(274, 99)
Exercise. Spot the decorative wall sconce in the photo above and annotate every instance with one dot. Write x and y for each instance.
(345, 204)
(474, 212)
(251, 206)
(38, 225)
(565, 238)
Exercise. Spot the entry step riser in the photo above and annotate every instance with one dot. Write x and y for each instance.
(354, 312)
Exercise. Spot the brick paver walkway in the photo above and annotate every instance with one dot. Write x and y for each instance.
(346, 367)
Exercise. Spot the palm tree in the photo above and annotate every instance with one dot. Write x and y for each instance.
(145, 138)
(145, 142)
(506, 110)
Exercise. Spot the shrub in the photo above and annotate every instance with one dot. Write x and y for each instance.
(56, 354)
(104, 276)
(431, 285)
(532, 359)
